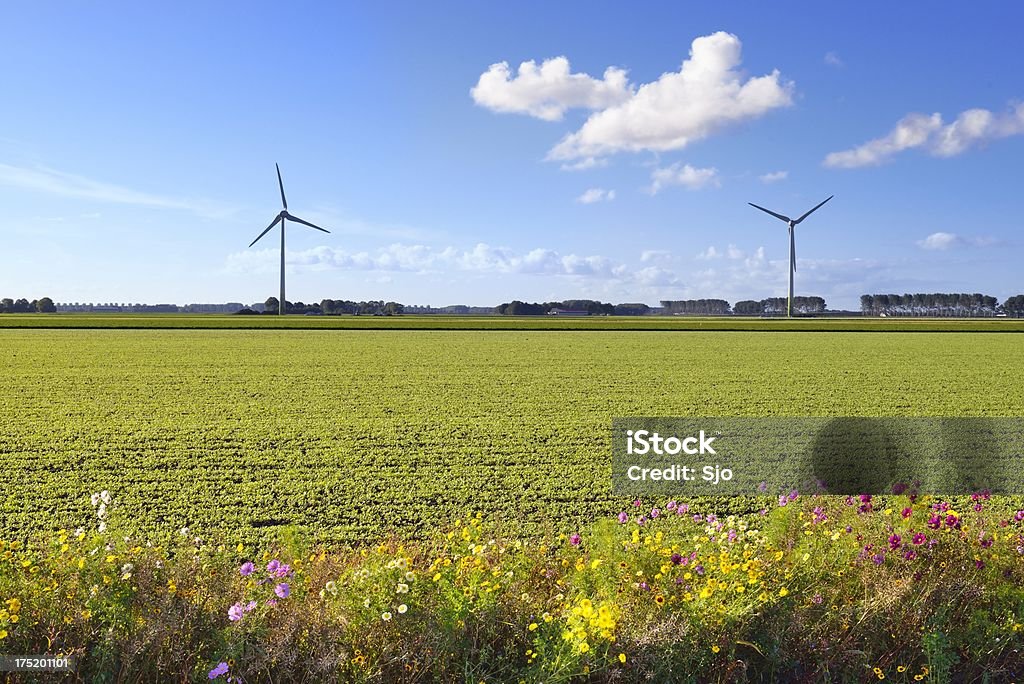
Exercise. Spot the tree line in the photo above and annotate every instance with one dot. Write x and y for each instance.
(330, 307)
(591, 306)
(44, 305)
(778, 306)
(939, 304)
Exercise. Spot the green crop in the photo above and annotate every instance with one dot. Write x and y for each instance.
(354, 435)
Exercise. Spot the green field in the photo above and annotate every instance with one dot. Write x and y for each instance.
(622, 323)
(358, 434)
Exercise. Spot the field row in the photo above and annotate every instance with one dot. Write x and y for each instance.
(358, 434)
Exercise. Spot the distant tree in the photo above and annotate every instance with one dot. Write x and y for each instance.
(631, 310)
(748, 307)
(6, 305)
(271, 306)
(45, 305)
(1014, 306)
(246, 311)
(393, 309)
(22, 306)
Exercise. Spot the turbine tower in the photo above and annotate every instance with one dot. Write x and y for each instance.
(792, 245)
(281, 217)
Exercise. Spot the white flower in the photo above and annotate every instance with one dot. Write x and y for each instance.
(402, 588)
(127, 567)
(401, 564)
(102, 527)
(95, 499)
(80, 531)
(410, 576)
(386, 616)
(101, 511)
(105, 496)
(402, 608)
(366, 603)
(332, 587)
(183, 531)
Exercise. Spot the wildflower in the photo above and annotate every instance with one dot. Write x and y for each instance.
(934, 522)
(575, 540)
(1018, 516)
(622, 657)
(763, 487)
(532, 627)
(222, 668)
(895, 542)
(878, 558)
(671, 505)
(910, 554)
(623, 518)
(385, 616)
(952, 521)
(907, 512)
(655, 513)
(676, 559)
(331, 587)
(783, 592)
(817, 599)
(282, 590)
(247, 569)
(402, 588)
(402, 609)
(716, 648)
(793, 495)
(919, 539)
(273, 566)
(235, 612)
(979, 564)
(183, 531)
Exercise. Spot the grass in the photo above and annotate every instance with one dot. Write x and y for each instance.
(536, 323)
(354, 435)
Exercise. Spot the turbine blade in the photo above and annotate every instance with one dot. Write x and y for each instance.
(813, 210)
(305, 223)
(280, 184)
(265, 231)
(769, 211)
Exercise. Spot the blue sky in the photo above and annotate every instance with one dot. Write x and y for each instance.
(137, 150)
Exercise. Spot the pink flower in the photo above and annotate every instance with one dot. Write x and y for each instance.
(235, 612)
(623, 517)
(907, 512)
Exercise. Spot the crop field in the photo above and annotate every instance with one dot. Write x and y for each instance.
(358, 434)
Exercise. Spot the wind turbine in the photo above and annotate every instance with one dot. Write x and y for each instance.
(792, 245)
(281, 218)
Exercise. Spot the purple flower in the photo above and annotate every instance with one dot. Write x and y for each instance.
(1018, 516)
(979, 564)
(273, 565)
(783, 500)
(235, 612)
(952, 521)
(683, 508)
(282, 590)
(763, 487)
(699, 569)
(895, 542)
(623, 517)
(697, 517)
(222, 668)
(919, 539)
(793, 495)
(899, 488)
(671, 506)
(575, 540)
(641, 520)
(637, 503)
(676, 559)
(907, 512)
(284, 570)
(247, 569)
(817, 599)
(935, 522)
(643, 585)
(251, 605)
(878, 558)
(655, 512)
(732, 536)
(910, 554)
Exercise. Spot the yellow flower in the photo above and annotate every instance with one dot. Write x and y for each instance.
(3, 633)
(716, 648)
(622, 657)
(532, 627)
(783, 591)
(901, 669)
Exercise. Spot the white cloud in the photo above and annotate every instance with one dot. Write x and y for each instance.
(685, 175)
(596, 195)
(707, 94)
(972, 128)
(655, 255)
(584, 164)
(416, 258)
(941, 241)
(773, 177)
(833, 59)
(548, 90)
(51, 181)
(709, 253)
